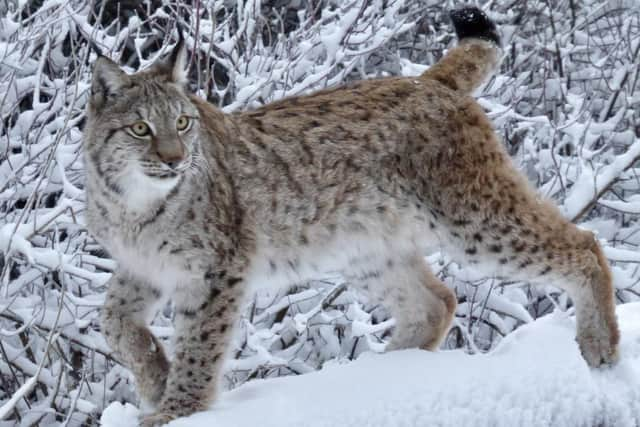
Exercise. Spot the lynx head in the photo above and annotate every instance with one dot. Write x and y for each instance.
(142, 129)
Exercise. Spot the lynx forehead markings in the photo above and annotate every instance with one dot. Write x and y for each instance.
(355, 179)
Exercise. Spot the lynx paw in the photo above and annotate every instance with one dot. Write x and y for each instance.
(157, 419)
(598, 350)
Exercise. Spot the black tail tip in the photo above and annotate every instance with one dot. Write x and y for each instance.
(96, 48)
(471, 22)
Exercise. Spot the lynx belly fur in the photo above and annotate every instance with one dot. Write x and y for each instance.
(197, 205)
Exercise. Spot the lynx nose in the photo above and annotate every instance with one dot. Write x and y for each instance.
(172, 158)
(173, 164)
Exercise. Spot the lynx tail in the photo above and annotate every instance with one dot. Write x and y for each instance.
(466, 66)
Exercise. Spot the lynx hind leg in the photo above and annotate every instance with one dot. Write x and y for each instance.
(422, 306)
(598, 333)
(441, 307)
(522, 237)
(124, 316)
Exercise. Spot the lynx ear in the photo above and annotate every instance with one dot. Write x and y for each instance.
(108, 79)
(175, 65)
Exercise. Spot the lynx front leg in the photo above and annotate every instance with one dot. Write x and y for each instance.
(126, 308)
(204, 320)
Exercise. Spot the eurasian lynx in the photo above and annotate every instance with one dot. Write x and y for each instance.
(195, 205)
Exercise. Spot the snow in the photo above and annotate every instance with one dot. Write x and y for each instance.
(617, 254)
(631, 205)
(534, 377)
(24, 389)
(591, 183)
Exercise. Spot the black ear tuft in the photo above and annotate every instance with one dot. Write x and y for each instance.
(174, 66)
(177, 50)
(471, 22)
(96, 48)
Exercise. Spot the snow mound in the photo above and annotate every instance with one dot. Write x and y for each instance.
(535, 377)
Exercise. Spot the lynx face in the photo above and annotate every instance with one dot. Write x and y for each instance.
(145, 133)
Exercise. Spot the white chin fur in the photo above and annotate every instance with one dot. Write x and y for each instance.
(141, 191)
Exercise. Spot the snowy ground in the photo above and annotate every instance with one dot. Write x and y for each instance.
(535, 377)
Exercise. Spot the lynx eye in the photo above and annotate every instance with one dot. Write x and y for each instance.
(183, 122)
(140, 129)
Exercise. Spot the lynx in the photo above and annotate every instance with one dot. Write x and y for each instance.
(197, 206)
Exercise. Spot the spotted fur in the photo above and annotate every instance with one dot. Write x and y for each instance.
(356, 179)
